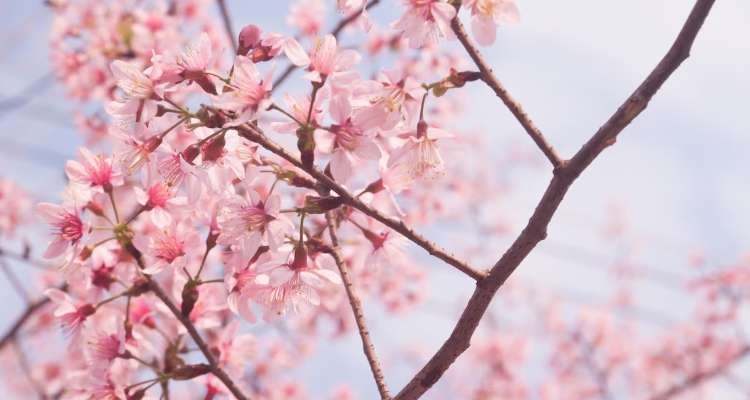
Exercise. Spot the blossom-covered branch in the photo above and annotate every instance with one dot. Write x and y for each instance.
(255, 135)
(185, 321)
(205, 255)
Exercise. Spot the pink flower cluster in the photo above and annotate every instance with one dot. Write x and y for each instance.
(191, 199)
(211, 204)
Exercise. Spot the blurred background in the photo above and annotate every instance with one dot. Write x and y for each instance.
(676, 187)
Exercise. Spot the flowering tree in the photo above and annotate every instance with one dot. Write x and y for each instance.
(207, 201)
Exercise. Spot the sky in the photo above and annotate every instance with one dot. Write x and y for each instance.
(679, 172)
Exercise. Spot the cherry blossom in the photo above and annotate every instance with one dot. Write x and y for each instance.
(418, 157)
(426, 21)
(251, 91)
(348, 142)
(487, 14)
(67, 227)
(299, 176)
(327, 61)
(294, 282)
(94, 170)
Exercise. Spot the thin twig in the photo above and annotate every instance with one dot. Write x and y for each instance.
(30, 310)
(359, 316)
(536, 229)
(335, 32)
(192, 331)
(227, 24)
(515, 108)
(254, 134)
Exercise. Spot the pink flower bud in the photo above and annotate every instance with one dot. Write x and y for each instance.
(249, 38)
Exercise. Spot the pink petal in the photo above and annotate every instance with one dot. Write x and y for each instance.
(295, 53)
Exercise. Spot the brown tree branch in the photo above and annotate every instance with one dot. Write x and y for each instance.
(359, 317)
(515, 108)
(702, 377)
(335, 32)
(224, 11)
(254, 134)
(30, 310)
(216, 370)
(536, 229)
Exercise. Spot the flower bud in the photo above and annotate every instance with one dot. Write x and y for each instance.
(320, 205)
(191, 152)
(306, 145)
(190, 296)
(140, 286)
(85, 253)
(249, 37)
(95, 208)
(422, 129)
(300, 257)
(375, 187)
(188, 372)
(214, 148)
(137, 395)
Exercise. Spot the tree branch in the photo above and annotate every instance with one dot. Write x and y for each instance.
(192, 331)
(227, 24)
(30, 310)
(254, 134)
(536, 229)
(515, 108)
(359, 317)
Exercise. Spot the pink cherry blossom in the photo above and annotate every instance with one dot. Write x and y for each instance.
(349, 144)
(197, 57)
(209, 200)
(418, 158)
(71, 315)
(328, 61)
(294, 282)
(160, 202)
(244, 282)
(67, 227)
(235, 349)
(487, 14)
(132, 80)
(93, 170)
(171, 247)
(394, 100)
(250, 94)
(103, 348)
(250, 220)
(307, 16)
(426, 21)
